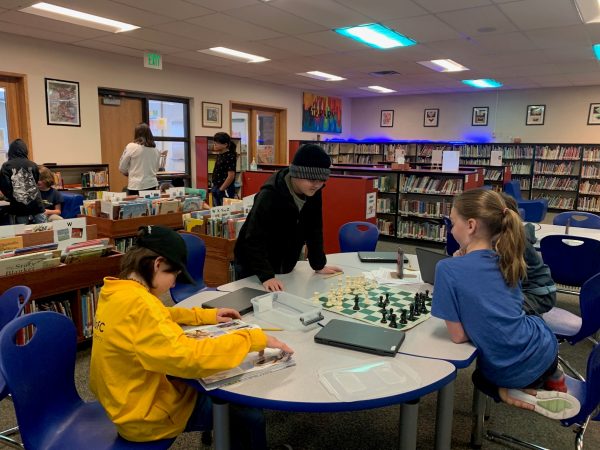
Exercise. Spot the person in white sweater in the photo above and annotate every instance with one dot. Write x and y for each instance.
(140, 161)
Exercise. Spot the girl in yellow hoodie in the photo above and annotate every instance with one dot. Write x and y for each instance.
(139, 346)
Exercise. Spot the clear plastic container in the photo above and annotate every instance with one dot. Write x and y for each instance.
(370, 379)
(287, 311)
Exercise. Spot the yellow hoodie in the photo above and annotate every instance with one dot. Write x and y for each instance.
(137, 342)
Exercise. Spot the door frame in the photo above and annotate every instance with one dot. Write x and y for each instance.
(19, 125)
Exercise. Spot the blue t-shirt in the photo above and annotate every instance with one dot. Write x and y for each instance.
(52, 197)
(514, 349)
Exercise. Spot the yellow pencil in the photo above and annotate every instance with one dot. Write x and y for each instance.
(333, 275)
(272, 329)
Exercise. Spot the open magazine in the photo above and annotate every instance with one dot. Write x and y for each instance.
(252, 366)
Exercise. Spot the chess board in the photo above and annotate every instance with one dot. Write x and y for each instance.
(369, 311)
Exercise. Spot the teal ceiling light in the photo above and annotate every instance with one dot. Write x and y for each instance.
(483, 83)
(596, 48)
(376, 35)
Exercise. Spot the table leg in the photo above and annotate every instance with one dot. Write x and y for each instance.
(444, 416)
(221, 424)
(409, 413)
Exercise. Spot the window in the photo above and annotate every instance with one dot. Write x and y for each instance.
(168, 122)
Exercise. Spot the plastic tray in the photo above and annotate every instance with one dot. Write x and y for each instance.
(287, 311)
(374, 378)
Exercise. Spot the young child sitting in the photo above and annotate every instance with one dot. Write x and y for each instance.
(479, 297)
(140, 351)
(52, 199)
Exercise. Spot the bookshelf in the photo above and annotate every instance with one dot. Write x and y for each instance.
(589, 184)
(206, 159)
(123, 231)
(69, 288)
(218, 267)
(86, 179)
(411, 203)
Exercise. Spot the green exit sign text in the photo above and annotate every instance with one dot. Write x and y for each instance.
(152, 60)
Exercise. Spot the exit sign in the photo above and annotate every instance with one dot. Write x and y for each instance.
(152, 60)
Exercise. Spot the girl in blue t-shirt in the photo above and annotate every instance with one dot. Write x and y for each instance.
(478, 294)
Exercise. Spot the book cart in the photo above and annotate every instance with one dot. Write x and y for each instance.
(70, 289)
(85, 179)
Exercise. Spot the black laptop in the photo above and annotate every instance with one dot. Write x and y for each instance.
(379, 257)
(238, 300)
(427, 260)
(360, 337)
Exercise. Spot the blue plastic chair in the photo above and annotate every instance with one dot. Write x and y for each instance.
(572, 260)
(195, 265)
(451, 244)
(577, 219)
(358, 237)
(587, 392)
(70, 207)
(535, 210)
(40, 376)
(12, 303)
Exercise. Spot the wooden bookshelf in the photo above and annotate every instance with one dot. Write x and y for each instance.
(219, 257)
(129, 227)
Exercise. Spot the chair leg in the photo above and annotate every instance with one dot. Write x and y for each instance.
(494, 436)
(488, 408)
(571, 369)
(4, 439)
(477, 414)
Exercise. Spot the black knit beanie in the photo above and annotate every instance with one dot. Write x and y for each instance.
(311, 163)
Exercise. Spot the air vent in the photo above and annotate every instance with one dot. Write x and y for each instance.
(384, 73)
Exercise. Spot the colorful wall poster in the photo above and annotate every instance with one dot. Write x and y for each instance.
(321, 113)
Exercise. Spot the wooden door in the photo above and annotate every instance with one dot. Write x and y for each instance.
(17, 110)
(117, 125)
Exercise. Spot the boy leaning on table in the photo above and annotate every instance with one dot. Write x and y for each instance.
(286, 215)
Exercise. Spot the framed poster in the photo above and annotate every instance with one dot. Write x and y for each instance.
(594, 114)
(387, 118)
(321, 113)
(535, 114)
(431, 117)
(480, 116)
(212, 114)
(62, 102)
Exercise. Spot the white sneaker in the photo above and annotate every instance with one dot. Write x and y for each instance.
(552, 404)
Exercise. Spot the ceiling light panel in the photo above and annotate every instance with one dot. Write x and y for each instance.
(443, 65)
(78, 18)
(235, 55)
(376, 35)
(378, 89)
(483, 83)
(589, 10)
(317, 75)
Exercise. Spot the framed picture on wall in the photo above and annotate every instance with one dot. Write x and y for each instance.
(431, 117)
(535, 114)
(480, 116)
(62, 103)
(212, 114)
(387, 118)
(594, 114)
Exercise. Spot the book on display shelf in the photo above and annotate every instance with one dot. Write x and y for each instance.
(253, 365)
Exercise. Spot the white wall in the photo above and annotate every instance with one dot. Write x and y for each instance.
(93, 69)
(565, 121)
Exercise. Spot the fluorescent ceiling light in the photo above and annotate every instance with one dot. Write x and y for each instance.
(596, 48)
(379, 89)
(78, 18)
(483, 83)
(376, 35)
(321, 76)
(443, 65)
(589, 10)
(236, 55)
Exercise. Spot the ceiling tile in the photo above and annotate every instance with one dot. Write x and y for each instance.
(532, 14)
(30, 20)
(122, 40)
(207, 37)
(424, 28)
(177, 9)
(275, 19)
(295, 45)
(331, 40)
(235, 27)
(172, 40)
(324, 12)
(386, 9)
(564, 37)
(436, 6)
(222, 5)
(203, 58)
(8, 27)
(112, 48)
(494, 43)
(469, 21)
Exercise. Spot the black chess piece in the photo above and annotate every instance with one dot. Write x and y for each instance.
(356, 306)
(411, 312)
(393, 323)
(403, 320)
(380, 304)
(391, 312)
(424, 309)
(416, 308)
(383, 316)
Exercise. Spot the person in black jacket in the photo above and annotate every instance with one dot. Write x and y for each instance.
(18, 182)
(287, 213)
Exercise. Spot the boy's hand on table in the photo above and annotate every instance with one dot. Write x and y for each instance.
(273, 284)
(329, 270)
(227, 314)
(273, 342)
